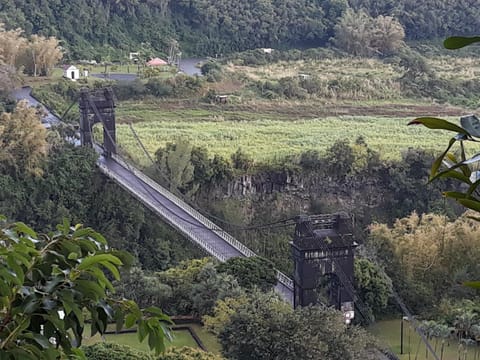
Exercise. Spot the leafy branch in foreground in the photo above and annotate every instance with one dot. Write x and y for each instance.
(459, 167)
(50, 284)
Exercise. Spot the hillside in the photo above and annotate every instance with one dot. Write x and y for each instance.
(109, 29)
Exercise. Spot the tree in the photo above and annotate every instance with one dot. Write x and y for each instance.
(8, 82)
(222, 312)
(23, 144)
(268, 328)
(12, 44)
(175, 162)
(362, 35)
(371, 284)
(251, 272)
(196, 286)
(50, 282)
(41, 55)
(428, 256)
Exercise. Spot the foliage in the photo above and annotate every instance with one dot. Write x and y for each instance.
(195, 287)
(268, 328)
(362, 35)
(106, 30)
(428, 257)
(62, 272)
(222, 313)
(185, 167)
(107, 351)
(12, 46)
(23, 141)
(212, 70)
(145, 289)
(187, 353)
(36, 55)
(448, 165)
(450, 18)
(41, 55)
(251, 272)
(175, 162)
(371, 285)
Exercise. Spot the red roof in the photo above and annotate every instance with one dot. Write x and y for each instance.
(156, 62)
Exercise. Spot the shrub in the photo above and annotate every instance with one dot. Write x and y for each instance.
(108, 351)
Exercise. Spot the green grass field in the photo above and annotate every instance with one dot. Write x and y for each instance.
(388, 332)
(266, 136)
(179, 338)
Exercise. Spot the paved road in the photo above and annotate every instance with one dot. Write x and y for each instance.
(24, 93)
(116, 77)
(176, 216)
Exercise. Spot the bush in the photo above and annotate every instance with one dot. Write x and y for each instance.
(125, 90)
(187, 353)
(158, 87)
(108, 351)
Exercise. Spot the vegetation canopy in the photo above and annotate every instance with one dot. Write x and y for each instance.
(51, 284)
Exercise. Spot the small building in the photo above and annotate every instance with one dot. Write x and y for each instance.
(267, 50)
(71, 72)
(156, 62)
(134, 56)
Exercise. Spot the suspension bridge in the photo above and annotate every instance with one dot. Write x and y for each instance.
(99, 108)
(171, 208)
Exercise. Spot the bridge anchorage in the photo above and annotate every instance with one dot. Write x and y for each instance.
(322, 248)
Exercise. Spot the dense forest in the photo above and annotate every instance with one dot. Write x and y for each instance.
(100, 28)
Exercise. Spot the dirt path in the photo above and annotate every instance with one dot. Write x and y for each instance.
(301, 110)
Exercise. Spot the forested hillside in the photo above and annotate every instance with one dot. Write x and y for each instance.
(94, 28)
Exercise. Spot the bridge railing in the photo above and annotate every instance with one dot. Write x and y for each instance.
(282, 278)
(166, 215)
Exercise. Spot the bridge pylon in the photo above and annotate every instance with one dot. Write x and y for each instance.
(98, 106)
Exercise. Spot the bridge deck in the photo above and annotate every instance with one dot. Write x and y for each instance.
(182, 217)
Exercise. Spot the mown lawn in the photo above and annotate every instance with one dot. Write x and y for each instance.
(388, 331)
(179, 338)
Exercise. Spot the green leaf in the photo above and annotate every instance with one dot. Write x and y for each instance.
(438, 162)
(95, 259)
(471, 204)
(20, 227)
(436, 123)
(130, 320)
(472, 284)
(457, 42)
(455, 195)
(452, 173)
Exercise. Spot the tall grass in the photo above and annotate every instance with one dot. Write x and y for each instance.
(265, 138)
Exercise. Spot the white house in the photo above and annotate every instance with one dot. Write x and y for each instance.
(71, 72)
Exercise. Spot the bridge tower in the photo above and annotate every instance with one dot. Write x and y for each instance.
(98, 106)
(323, 253)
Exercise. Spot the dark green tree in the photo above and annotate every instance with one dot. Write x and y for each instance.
(251, 272)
